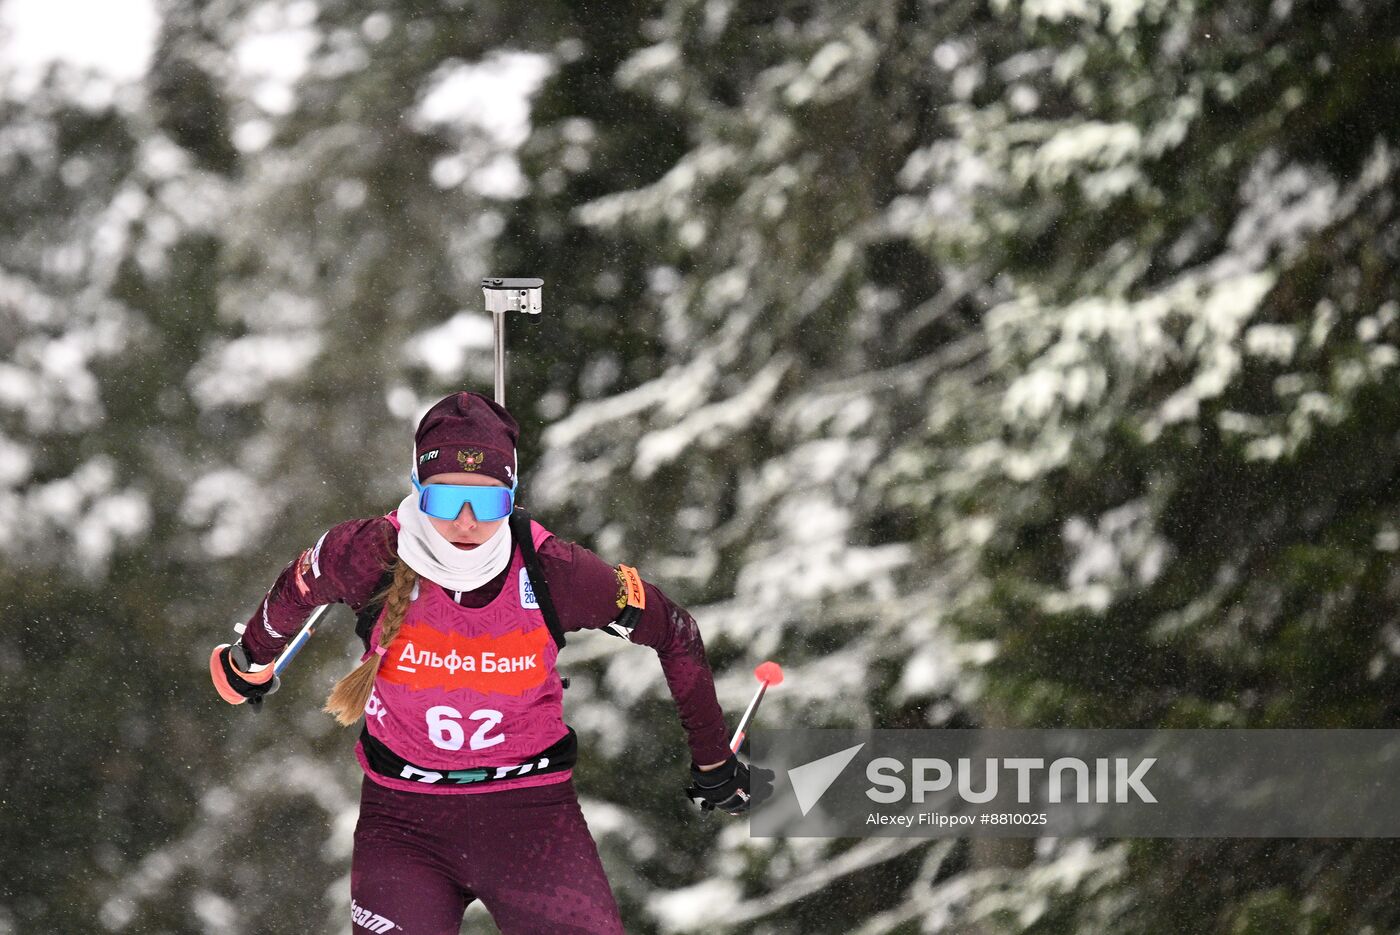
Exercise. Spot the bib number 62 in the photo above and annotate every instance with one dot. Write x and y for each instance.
(446, 733)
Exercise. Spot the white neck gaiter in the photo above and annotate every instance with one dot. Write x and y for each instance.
(438, 560)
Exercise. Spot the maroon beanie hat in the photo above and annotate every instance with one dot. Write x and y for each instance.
(467, 432)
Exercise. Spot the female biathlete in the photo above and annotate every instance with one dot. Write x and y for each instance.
(467, 759)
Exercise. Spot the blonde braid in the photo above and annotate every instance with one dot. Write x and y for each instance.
(348, 699)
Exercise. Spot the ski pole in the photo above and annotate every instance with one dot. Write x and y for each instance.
(769, 673)
(308, 630)
(240, 655)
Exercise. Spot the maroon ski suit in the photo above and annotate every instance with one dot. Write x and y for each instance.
(520, 846)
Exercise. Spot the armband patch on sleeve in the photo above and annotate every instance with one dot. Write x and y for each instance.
(631, 601)
(629, 589)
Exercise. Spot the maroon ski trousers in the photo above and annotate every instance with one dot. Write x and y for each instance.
(421, 859)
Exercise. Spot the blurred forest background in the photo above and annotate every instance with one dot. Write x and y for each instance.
(987, 362)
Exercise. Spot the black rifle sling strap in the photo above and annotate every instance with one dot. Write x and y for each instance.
(367, 616)
(521, 532)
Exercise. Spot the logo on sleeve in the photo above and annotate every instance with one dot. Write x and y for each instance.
(316, 554)
(527, 592)
(303, 567)
(629, 588)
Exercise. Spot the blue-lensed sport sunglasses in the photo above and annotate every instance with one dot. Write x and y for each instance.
(444, 501)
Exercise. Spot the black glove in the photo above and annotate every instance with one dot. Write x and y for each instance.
(228, 667)
(726, 787)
